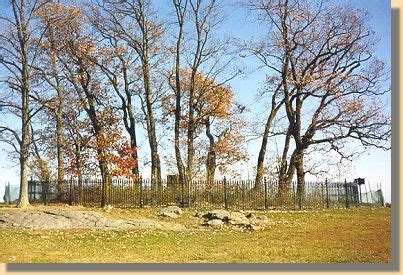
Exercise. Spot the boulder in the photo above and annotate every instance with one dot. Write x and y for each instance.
(261, 220)
(215, 223)
(170, 211)
(168, 214)
(218, 218)
(173, 209)
(238, 218)
(217, 214)
(254, 220)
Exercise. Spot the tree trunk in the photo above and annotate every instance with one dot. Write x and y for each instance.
(285, 172)
(156, 180)
(79, 172)
(190, 139)
(99, 135)
(299, 165)
(152, 137)
(211, 166)
(133, 145)
(60, 151)
(211, 155)
(178, 96)
(105, 183)
(179, 162)
(190, 146)
(58, 112)
(260, 164)
(131, 126)
(103, 166)
(23, 200)
(263, 147)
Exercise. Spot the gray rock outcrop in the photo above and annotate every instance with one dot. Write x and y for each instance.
(64, 219)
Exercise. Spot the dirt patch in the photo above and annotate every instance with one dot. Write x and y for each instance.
(65, 219)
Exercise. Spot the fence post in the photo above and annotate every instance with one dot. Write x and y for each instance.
(266, 202)
(347, 194)
(225, 193)
(327, 195)
(140, 192)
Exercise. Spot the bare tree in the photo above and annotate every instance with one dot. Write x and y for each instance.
(137, 25)
(18, 51)
(180, 10)
(219, 115)
(208, 53)
(76, 58)
(50, 14)
(77, 141)
(118, 62)
(331, 83)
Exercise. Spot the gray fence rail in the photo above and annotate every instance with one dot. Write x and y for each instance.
(228, 194)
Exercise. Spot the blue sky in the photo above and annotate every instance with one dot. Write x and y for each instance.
(374, 164)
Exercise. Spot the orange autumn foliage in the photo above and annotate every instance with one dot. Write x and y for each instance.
(122, 162)
(211, 99)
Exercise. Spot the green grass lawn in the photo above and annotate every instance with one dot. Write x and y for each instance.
(359, 235)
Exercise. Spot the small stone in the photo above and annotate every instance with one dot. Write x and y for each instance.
(107, 208)
(254, 227)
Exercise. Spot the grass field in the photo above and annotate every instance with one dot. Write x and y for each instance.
(359, 235)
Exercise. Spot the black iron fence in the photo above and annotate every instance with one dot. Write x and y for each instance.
(229, 194)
